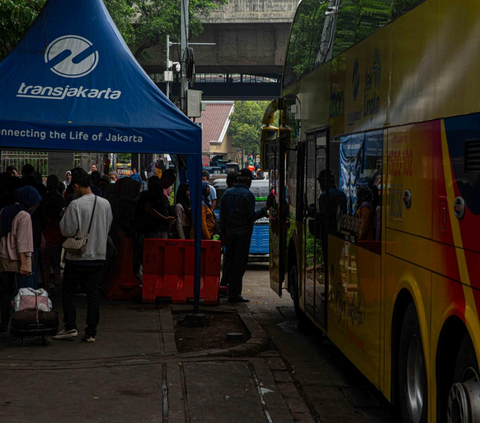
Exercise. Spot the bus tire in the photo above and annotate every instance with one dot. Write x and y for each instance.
(412, 378)
(463, 398)
(293, 287)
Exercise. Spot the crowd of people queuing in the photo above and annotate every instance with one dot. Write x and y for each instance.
(36, 218)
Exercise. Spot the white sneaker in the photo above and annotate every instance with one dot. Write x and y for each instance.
(64, 334)
(88, 338)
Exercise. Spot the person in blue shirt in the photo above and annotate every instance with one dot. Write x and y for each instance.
(213, 191)
(135, 176)
(237, 217)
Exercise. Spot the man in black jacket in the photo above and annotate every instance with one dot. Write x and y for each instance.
(237, 215)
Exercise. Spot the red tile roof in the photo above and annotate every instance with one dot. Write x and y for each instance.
(215, 122)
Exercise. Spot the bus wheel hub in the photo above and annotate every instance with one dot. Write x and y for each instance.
(464, 402)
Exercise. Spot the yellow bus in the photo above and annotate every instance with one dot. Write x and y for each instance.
(384, 95)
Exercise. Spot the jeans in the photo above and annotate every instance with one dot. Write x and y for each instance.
(89, 276)
(238, 247)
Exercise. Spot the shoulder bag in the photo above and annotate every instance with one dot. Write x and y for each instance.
(75, 245)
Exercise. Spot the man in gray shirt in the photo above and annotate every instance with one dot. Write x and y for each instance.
(86, 268)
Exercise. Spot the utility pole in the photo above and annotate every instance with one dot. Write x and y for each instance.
(168, 66)
(184, 16)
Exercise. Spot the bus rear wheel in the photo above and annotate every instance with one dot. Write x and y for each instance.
(464, 395)
(412, 372)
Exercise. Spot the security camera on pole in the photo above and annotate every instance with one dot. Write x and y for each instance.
(190, 100)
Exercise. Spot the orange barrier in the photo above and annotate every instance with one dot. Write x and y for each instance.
(123, 285)
(168, 269)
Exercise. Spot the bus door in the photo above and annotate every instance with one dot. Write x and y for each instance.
(276, 163)
(314, 283)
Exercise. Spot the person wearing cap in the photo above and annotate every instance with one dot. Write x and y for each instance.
(237, 217)
(336, 199)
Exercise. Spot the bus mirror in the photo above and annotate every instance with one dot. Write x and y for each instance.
(269, 135)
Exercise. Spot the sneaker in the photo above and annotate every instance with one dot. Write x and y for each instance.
(239, 299)
(64, 334)
(88, 338)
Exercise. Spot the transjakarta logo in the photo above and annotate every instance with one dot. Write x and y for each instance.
(69, 57)
(76, 46)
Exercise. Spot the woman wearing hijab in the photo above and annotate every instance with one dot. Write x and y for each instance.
(16, 247)
(51, 251)
(68, 178)
(183, 211)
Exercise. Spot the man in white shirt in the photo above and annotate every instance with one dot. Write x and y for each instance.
(87, 215)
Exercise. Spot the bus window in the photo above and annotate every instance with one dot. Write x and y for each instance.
(360, 178)
(305, 37)
(355, 21)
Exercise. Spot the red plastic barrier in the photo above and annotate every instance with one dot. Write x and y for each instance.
(123, 285)
(168, 269)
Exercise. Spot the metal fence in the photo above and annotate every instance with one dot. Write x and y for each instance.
(39, 160)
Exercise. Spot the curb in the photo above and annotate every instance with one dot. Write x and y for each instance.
(258, 342)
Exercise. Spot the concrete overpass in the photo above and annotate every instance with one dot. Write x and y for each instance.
(251, 38)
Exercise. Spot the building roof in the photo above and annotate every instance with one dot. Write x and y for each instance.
(215, 121)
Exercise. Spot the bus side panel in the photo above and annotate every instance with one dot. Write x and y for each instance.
(337, 291)
(414, 66)
(410, 170)
(457, 59)
(366, 84)
(354, 306)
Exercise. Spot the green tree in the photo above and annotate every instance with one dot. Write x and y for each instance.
(16, 16)
(142, 23)
(246, 123)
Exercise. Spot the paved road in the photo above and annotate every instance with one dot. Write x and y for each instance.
(332, 388)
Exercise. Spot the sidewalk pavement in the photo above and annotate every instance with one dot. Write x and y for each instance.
(133, 373)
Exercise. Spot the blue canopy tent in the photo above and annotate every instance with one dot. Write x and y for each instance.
(73, 84)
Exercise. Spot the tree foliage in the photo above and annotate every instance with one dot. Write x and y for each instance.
(246, 123)
(16, 16)
(142, 23)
